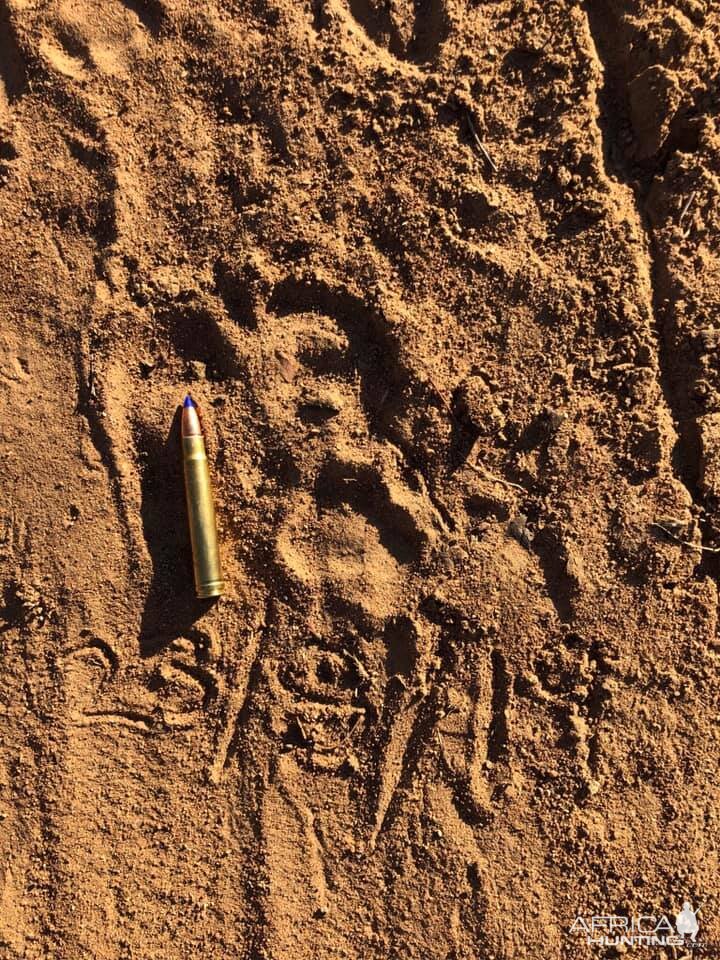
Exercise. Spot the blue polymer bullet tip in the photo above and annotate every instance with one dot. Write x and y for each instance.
(189, 401)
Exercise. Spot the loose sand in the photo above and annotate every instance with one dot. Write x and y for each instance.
(443, 277)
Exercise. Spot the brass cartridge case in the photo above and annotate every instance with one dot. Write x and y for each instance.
(201, 516)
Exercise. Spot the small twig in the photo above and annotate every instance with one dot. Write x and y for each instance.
(472, 461)
(491, 476)
(441, 395)
(91, 377)
(685, 543)
(479, 144)
(686, 207)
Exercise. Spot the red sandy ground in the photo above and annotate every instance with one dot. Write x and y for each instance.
(443, 277)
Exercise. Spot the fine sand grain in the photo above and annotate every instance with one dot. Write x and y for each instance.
(443, 277)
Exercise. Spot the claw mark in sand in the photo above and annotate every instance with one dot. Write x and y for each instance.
(235, 700)
(297, 890)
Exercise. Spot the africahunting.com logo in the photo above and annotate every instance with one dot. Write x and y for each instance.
(643, 930)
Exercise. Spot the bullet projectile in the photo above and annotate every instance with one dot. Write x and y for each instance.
(200, 507)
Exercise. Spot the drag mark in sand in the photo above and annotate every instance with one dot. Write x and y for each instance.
(652, 266)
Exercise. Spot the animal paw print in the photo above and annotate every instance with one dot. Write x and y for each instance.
(356, 536)
(408, 30)
(107, 41)
(353, 529)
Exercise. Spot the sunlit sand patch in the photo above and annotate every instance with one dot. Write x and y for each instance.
(62, 61)
(341, 551)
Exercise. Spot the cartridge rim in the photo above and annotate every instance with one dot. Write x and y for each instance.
(211, 588)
